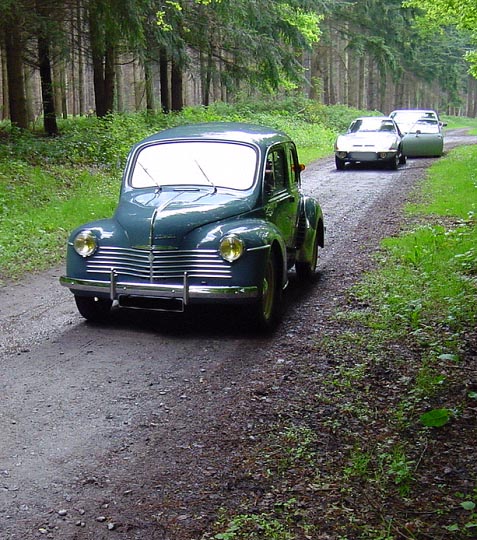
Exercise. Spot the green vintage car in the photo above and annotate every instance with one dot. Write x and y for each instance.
(208, 213)
(422, 132)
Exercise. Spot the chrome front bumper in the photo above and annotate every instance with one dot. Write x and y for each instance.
(114, 289)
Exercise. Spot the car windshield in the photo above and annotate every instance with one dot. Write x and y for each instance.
(195, 163)
(371, 124)
(410, 117)
(425, 126)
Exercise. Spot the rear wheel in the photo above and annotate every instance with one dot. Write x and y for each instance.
(93, 309)
(267, 309)
(306, 270)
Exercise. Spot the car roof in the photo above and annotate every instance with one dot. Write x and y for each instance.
(373, 121)
(374, 118)
(420, 111)
(262, 136)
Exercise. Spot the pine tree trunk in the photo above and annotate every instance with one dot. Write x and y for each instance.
(5, 110)
(49, 111)
(177, 100)
(81, 99)
(164, 81)
(109, 77)
(16, 83)
(148, 76)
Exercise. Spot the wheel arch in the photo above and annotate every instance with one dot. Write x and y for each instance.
(277, 250)
(312, 221)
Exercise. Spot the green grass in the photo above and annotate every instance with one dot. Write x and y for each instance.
(427, 280)
(40, 207)
(455, 122)
(452, 186)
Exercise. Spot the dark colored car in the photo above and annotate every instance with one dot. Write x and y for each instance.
(208, 213)
(424, 139)
(422, 131)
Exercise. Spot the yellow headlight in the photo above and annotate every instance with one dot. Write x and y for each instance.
(231, 248)
(85, 243)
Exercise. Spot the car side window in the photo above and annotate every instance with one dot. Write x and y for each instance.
(276, 171)
(294, 168)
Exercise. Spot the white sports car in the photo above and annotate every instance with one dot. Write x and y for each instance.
(373, 139)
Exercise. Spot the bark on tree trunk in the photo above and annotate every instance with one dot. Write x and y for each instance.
(177, 100)
(103, 68)
(79, 37)
(164, 80)
(5, 109)
(109, 77)
(49, 112)
(16, 83)
(148, 76)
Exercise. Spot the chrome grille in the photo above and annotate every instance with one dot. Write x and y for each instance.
(363, 156)
(157, 264)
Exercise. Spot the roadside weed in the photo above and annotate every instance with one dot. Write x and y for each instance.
(467, 528)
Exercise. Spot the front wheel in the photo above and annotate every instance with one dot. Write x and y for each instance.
(93, 309)
(267, 309)
(394, 163)
(340, 163)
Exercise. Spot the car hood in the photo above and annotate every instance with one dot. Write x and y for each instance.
(163, 219)
(371, 139)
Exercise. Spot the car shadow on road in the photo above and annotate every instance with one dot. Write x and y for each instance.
(208, 321)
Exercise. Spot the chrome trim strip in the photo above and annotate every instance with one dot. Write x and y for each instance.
(259, 248)
(185, 286)
(114, 280)
(153, 264)
(160, 291)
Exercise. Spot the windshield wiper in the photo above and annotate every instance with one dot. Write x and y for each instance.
(205, 175)
(154, 181)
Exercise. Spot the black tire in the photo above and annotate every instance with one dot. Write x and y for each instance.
(402, 159)
(340, 163)
(93, 309)
(394, 163)
(306, 270)
(267, 308)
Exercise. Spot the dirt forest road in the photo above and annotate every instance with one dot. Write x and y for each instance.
(133, 430)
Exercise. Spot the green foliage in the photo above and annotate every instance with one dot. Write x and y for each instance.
(381, 466)
(294, 446)
(40, 207)
(469, 528)
(255, 527)
(428, 274)
(436, 418)
(446, 13)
